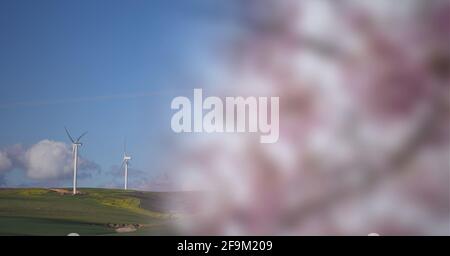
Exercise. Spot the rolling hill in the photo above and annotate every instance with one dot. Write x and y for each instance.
(37, 211)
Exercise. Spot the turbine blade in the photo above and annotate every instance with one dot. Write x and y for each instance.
(81, 136)
(68, 134)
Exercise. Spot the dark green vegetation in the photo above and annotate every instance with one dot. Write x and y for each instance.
(93, 212)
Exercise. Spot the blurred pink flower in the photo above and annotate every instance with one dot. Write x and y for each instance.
(364, 119)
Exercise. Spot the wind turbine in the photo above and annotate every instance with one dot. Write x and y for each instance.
(126, 158)
(75, 145)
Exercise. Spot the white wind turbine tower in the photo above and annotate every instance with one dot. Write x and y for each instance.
(126, 158)
(75, 145)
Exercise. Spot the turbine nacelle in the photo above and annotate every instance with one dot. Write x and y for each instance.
(77, 141)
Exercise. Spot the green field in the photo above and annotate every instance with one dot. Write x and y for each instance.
(94, 212)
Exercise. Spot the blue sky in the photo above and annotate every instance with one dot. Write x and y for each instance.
(110, 67)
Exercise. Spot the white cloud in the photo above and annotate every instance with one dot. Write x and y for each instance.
(5, 162)
(48, 160)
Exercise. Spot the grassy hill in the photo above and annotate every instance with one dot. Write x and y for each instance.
(93, 212)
